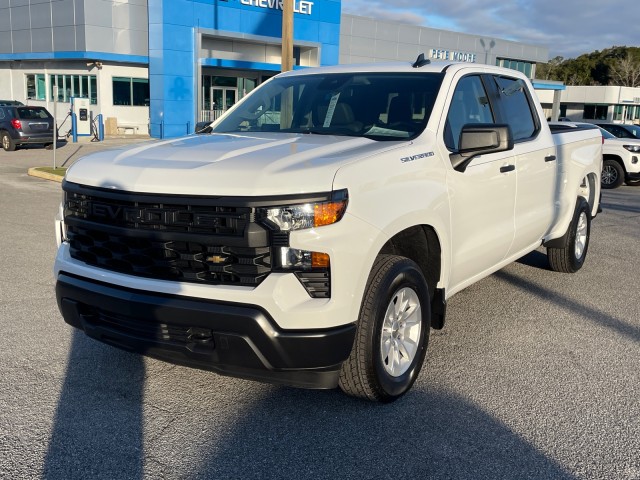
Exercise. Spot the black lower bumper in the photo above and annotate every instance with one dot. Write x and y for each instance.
(634, 177)
(230, 339)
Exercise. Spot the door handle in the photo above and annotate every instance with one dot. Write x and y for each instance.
(549, 158)
(507, 168)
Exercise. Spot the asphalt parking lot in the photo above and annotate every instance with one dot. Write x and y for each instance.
(536, 375)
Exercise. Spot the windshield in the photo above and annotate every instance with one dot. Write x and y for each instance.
(382, 106)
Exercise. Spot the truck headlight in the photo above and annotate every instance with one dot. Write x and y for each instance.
(311, 268)
(307, 215)
(632, 148)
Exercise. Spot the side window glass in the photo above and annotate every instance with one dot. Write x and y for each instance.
(470, 104)
(1, 113)
(516, 108)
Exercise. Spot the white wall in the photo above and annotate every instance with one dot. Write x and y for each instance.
(13, 87)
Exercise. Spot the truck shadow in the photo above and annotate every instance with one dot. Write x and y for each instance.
(97, 430)
(302, 434)
(269, 432)
(596, 316)
(535, 259)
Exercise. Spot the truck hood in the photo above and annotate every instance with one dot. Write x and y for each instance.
(226, 164)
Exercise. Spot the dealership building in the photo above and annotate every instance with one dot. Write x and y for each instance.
(159, 66)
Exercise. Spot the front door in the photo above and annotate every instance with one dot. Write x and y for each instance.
(482, 197)
(222, 98)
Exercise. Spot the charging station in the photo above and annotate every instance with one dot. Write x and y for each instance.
(80, 117)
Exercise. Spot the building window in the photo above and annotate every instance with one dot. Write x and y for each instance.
(131, 91)
(617, 112)
(36, 87)
(83, 86)
(519, 65)
(595, 112)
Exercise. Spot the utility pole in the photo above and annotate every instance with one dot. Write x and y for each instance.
(55, 123)
(286, 107)
(287, 35)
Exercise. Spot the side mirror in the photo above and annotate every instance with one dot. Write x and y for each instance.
(480, 139)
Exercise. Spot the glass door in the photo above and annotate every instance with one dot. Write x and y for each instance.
(222, 98)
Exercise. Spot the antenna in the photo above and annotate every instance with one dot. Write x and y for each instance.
(421, 61)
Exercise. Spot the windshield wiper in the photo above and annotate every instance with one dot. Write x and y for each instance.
(323, 131)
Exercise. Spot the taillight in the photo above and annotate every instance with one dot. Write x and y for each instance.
(16, 124)
(602, 140)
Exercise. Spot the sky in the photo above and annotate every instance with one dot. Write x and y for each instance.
(568, 28)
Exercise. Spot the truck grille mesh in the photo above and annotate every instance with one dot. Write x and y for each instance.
(140, 215)
(183, 242)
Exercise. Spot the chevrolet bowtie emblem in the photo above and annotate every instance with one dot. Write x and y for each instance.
(216, 259)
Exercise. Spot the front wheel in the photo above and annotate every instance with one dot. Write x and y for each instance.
(393, 332)
(612, 174)
(570, 258)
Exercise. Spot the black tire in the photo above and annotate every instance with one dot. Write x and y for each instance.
(7, 142)
(612, 174)
(366, 373)
(633, 183)
(570, 258)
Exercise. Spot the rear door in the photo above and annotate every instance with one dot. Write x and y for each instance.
(535, 162)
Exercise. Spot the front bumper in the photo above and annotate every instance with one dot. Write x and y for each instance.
(231, 339)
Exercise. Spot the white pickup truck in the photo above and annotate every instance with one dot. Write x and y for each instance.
(314, 237)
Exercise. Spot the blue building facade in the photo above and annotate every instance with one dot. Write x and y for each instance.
(206, 54)
(161, 66)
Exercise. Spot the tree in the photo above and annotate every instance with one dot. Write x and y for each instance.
(546, 71)
(625, 71)
(611, 66)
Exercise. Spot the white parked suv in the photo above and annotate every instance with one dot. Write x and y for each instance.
(314, 236)
(621, 161)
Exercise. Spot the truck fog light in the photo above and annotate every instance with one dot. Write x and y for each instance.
(288, 258)
(634, 160)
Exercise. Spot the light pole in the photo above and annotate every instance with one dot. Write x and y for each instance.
(287, 35)
(486, 49)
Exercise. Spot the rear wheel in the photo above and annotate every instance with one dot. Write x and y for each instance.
(612, 174)
(633, 183)
(393, 332)
(570, 258)
(7, 142)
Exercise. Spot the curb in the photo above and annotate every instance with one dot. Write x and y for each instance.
(34, 172)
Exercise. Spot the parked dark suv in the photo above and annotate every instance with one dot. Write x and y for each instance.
(622, 130)
(22, 125)
(8, 103)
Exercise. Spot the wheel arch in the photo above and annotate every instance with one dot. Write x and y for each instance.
(615, 158)
(591, 193)
(421, 244)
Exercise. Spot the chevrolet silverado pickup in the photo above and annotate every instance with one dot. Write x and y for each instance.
(314, 237)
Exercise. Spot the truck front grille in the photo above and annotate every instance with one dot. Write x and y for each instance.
(170, 260)
(169, 237)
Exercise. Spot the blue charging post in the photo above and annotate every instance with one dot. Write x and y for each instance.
(100, 127)
(74, 126)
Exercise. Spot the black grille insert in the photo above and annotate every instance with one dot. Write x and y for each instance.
(169, 217)
(167, 238)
